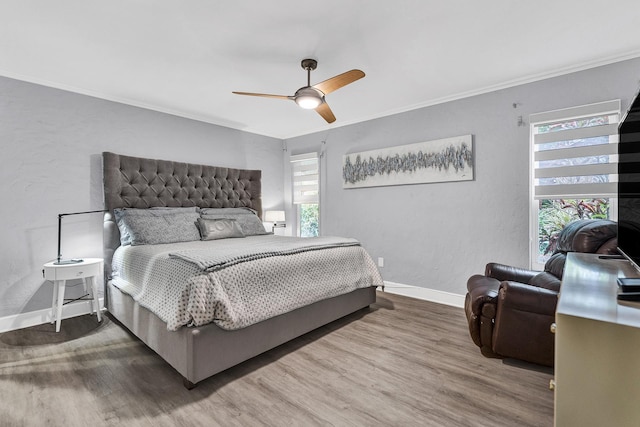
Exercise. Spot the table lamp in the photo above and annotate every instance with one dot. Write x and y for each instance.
(59, 260)
(275, 217)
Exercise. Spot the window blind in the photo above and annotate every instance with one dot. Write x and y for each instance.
(575, 151)
(305, 179)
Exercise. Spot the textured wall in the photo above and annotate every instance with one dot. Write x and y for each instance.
(51, 145)
(431, 235)
(437, 235)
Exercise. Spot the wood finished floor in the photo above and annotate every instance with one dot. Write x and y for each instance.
(402, 362)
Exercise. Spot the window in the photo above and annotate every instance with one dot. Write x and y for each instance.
(305, 180)
(573, 170)
(308, 220)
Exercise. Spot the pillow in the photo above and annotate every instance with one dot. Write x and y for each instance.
(249, 222)
(155, 226)
(228, 211)
(213, 229)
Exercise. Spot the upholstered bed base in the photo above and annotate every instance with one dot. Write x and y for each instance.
(200, 352)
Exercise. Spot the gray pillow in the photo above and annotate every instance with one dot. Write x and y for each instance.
(228, 211)
(213, 229)
(249, 222)
(155, 226)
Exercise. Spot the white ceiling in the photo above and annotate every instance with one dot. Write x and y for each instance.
(185, 57)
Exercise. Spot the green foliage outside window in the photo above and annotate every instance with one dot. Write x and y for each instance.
(308, 220)
(554, 215)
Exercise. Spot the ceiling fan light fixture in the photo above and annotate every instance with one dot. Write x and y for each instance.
(308, 102)
(308, 98)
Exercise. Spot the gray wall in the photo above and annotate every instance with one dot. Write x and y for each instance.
(430, 235)
(51, 145)
(437, 235)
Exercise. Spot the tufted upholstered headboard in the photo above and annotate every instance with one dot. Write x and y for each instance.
(135, 182)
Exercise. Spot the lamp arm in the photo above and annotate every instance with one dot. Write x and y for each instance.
(59, 237)
(60, 227)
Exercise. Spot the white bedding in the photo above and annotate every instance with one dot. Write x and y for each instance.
(169, 279)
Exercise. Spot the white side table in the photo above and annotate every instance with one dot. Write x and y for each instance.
(87, 270)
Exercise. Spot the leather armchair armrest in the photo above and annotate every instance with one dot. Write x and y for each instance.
(503, 272)
(527, 298)
(480, 309)
(481, 289)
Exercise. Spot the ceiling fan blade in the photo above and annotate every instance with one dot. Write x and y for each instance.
(339, 81)
(264, 95)
(326, 113)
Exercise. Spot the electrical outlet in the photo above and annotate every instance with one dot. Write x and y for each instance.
(380, 262)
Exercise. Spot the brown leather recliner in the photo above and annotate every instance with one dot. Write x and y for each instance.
(510, 310)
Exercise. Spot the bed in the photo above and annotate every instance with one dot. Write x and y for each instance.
(200, 346)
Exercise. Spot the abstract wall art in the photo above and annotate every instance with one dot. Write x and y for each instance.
(448, 159)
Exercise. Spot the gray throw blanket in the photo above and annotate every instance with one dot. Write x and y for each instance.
(212, 259)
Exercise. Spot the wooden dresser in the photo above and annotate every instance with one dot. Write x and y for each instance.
(597, 350)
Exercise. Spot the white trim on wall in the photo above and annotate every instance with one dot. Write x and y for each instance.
(39, 317)
(79, 308)
(433, 295)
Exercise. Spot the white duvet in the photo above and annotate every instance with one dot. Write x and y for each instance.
(238, 282)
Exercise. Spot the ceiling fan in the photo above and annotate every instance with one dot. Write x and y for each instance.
(312, 97)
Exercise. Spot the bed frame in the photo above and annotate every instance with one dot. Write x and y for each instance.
(200, 352)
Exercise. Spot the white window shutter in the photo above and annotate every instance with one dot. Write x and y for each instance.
(305, 178)
(576, 161)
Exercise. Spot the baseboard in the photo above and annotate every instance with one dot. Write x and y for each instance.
(433, 295)
(78, 308)
(33, 318)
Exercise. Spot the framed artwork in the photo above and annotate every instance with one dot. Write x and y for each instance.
(448, 159)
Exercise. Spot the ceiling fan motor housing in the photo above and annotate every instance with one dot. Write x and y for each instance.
(308, 97)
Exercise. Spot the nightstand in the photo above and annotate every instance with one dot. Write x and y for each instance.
(87, 270)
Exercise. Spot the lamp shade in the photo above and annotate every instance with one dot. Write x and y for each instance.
(274, 216)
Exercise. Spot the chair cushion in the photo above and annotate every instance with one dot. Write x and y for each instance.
(547, 281)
